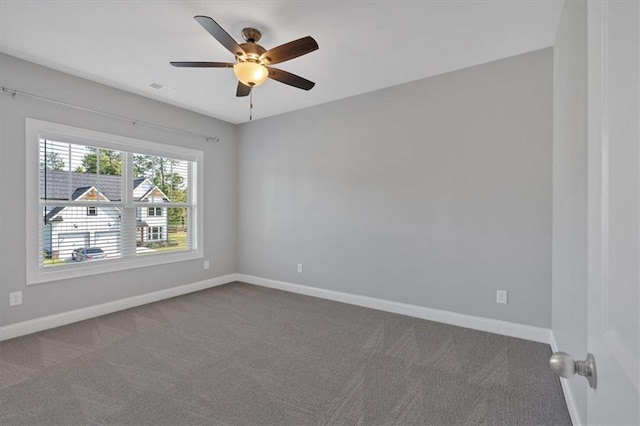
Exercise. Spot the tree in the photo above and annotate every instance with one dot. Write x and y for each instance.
(110, 162)
(52, 161)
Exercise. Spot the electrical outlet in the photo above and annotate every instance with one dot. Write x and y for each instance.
(206, 264)
(299, 268)
(15, 298)
(501, 297)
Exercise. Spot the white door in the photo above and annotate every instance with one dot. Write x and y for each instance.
(108, 241)
(613, 210)
(71, 241)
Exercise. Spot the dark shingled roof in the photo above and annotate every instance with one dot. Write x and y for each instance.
(137, 182)
(57, 186)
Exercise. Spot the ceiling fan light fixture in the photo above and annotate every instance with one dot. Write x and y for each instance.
(253, 62)
(250, 73)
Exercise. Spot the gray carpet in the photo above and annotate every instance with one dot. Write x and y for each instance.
(241, 354)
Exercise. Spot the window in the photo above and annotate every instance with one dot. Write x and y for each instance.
(88, 191)
(155, 233)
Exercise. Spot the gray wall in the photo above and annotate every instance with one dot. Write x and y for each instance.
(569, 317)
(434, 193)
(220, 197)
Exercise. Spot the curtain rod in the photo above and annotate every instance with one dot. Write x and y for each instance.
(14, 92)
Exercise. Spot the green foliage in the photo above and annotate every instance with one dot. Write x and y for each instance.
(110, 162)
(52, 161)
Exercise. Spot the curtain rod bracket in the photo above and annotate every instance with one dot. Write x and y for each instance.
(12, 92)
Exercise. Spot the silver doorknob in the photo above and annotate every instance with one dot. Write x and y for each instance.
(564, 365)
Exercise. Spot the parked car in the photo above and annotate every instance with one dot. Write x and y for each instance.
(88, 253)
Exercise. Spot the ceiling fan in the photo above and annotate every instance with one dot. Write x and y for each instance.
(252, 67)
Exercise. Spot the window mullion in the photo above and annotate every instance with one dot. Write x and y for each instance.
(127, 178)
(192, 226)
(69, 179)
(129, 211)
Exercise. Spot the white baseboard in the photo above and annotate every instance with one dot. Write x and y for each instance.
(527, 332)
(568, 394)
(51, 321)
(522, 331)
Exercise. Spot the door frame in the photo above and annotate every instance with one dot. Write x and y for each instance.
(598, 205)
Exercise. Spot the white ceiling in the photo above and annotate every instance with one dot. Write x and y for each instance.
(364, 45)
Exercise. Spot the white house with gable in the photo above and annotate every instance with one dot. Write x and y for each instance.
(152, 221)
(68, 228)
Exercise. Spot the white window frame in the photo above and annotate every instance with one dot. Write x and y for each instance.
(90, 212)
(38, 129)
(155, 211)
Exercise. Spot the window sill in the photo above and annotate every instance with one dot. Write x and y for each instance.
(77, 270)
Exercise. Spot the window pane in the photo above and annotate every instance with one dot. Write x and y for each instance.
(162, 233)
(160, 179)
(77, 172)
(69, 235)
(54, 170)
(97, 170)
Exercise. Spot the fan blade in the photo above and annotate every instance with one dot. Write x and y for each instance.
(290, 50)
(202, 64)
(242, 90)
(290, 79)
(220, 34)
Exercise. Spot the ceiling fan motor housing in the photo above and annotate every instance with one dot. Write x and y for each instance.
(253, 51)
(249, 70)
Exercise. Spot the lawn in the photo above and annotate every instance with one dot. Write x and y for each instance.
(49, 262)
(174, 237)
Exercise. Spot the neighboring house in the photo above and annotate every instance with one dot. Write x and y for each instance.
(152, 222)
(71, 227)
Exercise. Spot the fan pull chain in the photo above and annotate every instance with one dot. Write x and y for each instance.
(251, 104)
